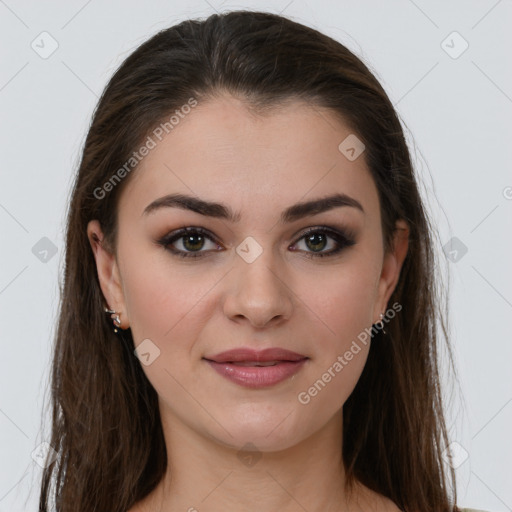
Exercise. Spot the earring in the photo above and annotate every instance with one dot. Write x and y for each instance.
(116, 319)
(381, 323)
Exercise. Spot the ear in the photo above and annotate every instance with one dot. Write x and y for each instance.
(392, 265)
(108, 273)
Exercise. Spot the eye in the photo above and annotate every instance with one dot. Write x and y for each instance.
(190, 242)
(316, 240)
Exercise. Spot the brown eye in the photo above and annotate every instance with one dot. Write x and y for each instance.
(189, 242)
(193, 242)
(316, 241)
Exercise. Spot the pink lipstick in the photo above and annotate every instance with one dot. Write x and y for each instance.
(257, 368)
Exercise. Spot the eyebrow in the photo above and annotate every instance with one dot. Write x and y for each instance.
(221, 211)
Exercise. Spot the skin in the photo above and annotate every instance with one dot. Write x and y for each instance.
(189, 309)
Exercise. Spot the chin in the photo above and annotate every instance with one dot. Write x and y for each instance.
(268, 432)
(261, 442)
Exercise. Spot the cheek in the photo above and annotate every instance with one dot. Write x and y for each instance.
(163, 300)
(332, 383)
(170, 307)
(342, 308)
(343, 300)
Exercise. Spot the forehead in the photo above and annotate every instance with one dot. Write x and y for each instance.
(222, 151)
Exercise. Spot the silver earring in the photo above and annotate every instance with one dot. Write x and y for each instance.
(116, 319)
(381, 323)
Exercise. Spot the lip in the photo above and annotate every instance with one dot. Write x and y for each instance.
(260, 356)
(230, 364)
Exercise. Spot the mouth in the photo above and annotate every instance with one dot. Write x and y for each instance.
(254, 370)
(251, 357)
(254, 363)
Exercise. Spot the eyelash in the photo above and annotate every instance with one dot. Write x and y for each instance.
(343, 239)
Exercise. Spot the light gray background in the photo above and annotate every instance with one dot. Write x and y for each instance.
(457, 111)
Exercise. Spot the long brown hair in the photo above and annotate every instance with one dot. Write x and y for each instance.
(106, 425)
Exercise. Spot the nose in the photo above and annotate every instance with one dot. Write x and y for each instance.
(258, 293)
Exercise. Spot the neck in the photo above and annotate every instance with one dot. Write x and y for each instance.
(205, 475)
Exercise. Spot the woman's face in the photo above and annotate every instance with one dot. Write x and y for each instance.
(253, 281)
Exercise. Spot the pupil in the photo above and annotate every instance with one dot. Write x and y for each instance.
(317, 241)
(188, 242)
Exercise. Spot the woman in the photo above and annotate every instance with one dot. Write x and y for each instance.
(249, 308)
